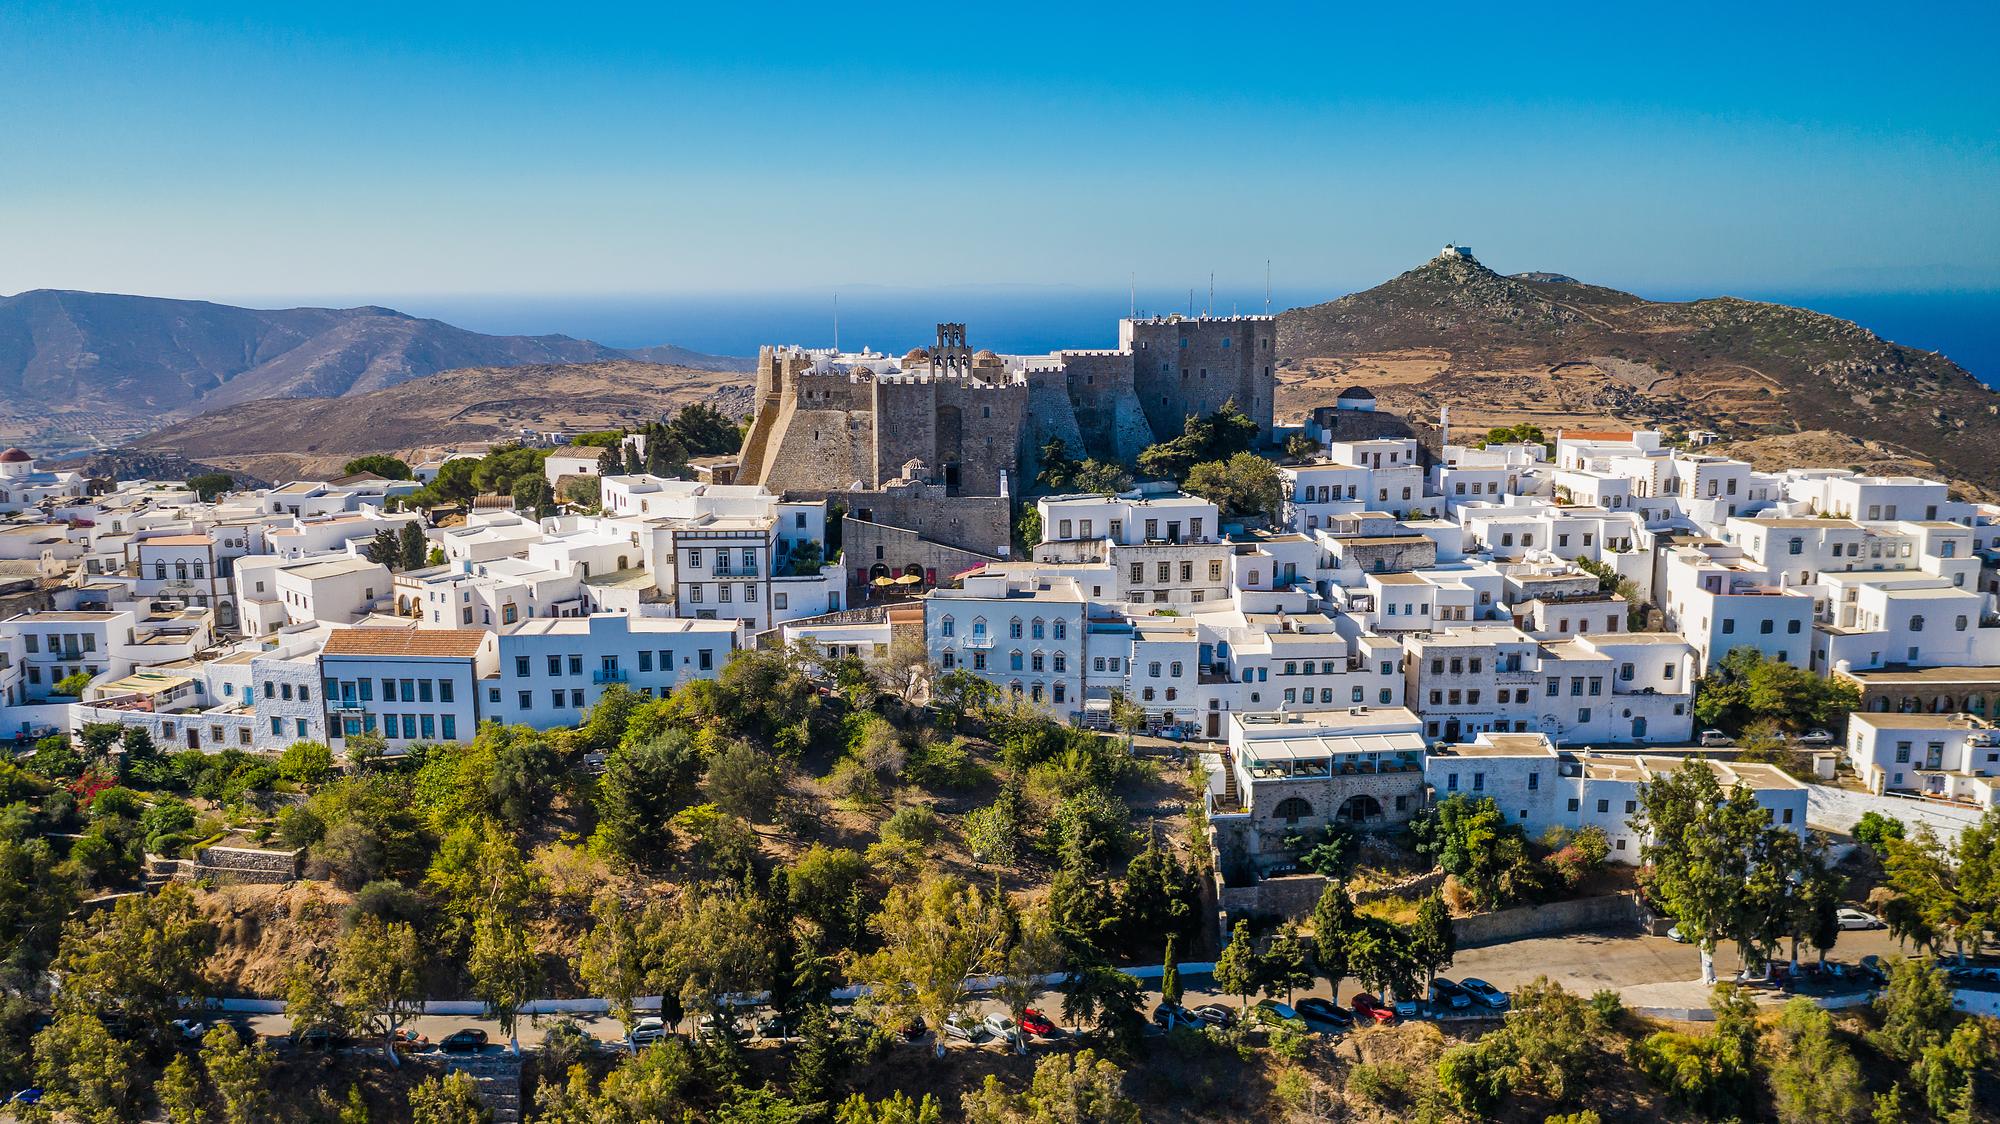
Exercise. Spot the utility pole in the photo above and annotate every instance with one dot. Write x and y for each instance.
(1267, 286)
(836, 323)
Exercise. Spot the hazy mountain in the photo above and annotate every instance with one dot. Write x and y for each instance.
(1548, 349)
(129, 359)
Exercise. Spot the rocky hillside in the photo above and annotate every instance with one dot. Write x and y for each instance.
(282, 438)
(102, 363)
(1546, 348)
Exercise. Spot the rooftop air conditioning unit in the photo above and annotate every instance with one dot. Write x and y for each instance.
(1357, 710)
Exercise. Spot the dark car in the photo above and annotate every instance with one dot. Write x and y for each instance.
(1038, 1024)
(1215, 1015)
(1324, 1014)
(471, 1040)
(320, 1038)
(913, 1030)
(1370, 1010)
(773, 1026)
(1446, 995)
(1872, 967)
(1485, 994)
(30, 1095)
(1167, 1016)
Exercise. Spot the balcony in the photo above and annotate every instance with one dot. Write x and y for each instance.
(977, 640)
(608, 675)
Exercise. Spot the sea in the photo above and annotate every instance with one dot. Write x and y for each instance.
(1962, 324)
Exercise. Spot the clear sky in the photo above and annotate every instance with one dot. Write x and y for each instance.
(280, 150)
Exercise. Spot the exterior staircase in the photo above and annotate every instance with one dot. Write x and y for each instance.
(497, 1080)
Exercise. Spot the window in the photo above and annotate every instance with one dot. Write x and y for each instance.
(1572, 803)
(1603, 807)
(444, 690)
(1534, 781)
(1062, 630)
(705, 659)
(1451, 782)
(1292, 809)
(526, 700)
(645, 660)
(555, 665)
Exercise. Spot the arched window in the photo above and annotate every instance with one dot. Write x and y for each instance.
(1037, 629)
(948, 627)
(180, 569)
(1292, 809)
(1014, 629)
(1059, 692)
(978, 626)
(1035, 692)
(1062, 629)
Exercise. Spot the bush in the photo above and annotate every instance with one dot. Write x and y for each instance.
(73, 684)
(914, 824)
(1388, 1084)
(166, 825)
(947, 766)
(854, 780)
(117, 801)
(389, 901)
(1875, 830)
(1609, 1007)
(305, 763)
(991, 835)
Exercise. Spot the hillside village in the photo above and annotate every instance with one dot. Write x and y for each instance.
(1309, 644)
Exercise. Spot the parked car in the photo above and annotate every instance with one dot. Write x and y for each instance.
(1448, 996)
(1038, 1024)
(773, 1026)
(1271, 1013)
(1324, 1015)
(471, 1040)
(1872, 966)
(1002, 1027)
(191, 1028)
(1485, 994)
(1815, 737)
(912, 1030)
(320, 1038)
(29, 1095)
(647, 1031)
(1713, 738)
(1848, 918)
(1369, 1010)
(408, 1039)
(1675, 935)
(710, 1026)
(1216, 1015)
(1167, 1016)
(965, 1027)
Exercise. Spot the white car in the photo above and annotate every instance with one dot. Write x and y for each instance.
(965, 1028)
(191, 1028)
(645, 1032)
(1858, 919)
(1710, 739)
(1815, 737)
(1001, 1027)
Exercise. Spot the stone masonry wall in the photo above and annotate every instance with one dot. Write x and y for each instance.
(243, 864)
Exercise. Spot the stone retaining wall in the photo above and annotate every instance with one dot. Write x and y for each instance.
(245, 864)
(1575, 915)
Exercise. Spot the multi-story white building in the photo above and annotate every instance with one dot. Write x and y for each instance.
(407, 684)
(335, 590)
(1721, 601)
(23, 486)
(1953, 756)
(551, 670)
(1015, 629)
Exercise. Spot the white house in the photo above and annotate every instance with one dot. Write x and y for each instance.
(407, 684)
(552, 669)
(1954, 756)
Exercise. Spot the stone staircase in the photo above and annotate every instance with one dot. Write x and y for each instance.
(161, 870)
(1232, 792)
(497, 1078)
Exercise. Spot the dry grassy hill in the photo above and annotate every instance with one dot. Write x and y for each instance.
(282, 438)
(1554, 351)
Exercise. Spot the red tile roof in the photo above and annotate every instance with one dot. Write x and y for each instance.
(463, 643)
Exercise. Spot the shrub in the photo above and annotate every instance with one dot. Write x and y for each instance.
(914, 824)
(853, 779)
(944, 765)
(73, 684)
(117, 801)
(991, 835)
(1609, 1007)
(1388, 1084)
(1477, 1076)
(166, 825)
(388, 901)
(305, 763)
(1874, 830)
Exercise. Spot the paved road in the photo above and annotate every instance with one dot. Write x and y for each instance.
(1654, 968)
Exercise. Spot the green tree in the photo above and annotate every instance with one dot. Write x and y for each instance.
(451, 1099)
(1238, 971)
(1472, 840)
(1915, 1007)
(384, 549)
(1333, 928)
(1696, 865)
(1947, 1069)
(1058, 468)
(934, 935)
(1555, 1036)
(143, 958)
(1432, 943)
(1378, 954)
(1170, 976)
(1748, 685)
(1215, 437)
(1874, 831)
(380, 464)
(412, 548)
(208, 486)
(897, 1108)
(180, 1093)
(713, 945)
(1102, 477)
(1476, 1077)
(378, 970)
(643, 786)
(1244, 485)
(241, 1074)
(505, 968)
(1814, 1076)
(704, 431)
(615, 959)
(1080, 1088)
(86, 1075)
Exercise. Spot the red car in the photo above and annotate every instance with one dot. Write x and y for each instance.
(1037, 1024)
(1367, 1008)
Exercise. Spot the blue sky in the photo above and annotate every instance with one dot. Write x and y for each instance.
(284, 151)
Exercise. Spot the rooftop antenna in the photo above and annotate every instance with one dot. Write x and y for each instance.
(1132, 295)
(1210, 310)
(1190, 304)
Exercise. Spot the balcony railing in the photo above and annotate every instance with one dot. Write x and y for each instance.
(608, 675)
(977, 640)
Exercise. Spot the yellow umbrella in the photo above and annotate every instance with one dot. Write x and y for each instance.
(909, 579)
(885, 581)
